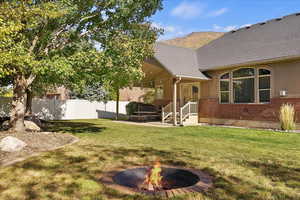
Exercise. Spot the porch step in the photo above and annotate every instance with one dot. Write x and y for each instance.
(187, 114)
(190, 121)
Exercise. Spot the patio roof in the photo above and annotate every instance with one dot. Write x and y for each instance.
(178, 61)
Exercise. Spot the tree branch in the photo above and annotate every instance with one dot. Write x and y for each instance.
(30, 79)
(34, 42)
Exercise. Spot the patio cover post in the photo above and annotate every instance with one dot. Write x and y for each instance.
(175, 82)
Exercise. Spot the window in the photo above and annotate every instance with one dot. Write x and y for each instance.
(225, 88)
(243, 85)
(246, 85)
(264, 86)
(244, 72)
(195, 93)
(159, 92)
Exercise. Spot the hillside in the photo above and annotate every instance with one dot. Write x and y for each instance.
(194, 40)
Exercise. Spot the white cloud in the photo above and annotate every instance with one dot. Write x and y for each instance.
(169, 31)
(245, 25)
(229, 28)
(224, 28)
(219, 12)
(188, 10)
(217, 27)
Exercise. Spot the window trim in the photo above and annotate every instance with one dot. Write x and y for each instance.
(159, 86)
(229, 89)
(256, 84)
(269, 89)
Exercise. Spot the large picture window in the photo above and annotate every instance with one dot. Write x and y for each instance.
(243, 85)
(246, 85)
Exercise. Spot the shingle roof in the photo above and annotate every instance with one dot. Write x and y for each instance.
(273, 39)
(276, 39)
(181, 62)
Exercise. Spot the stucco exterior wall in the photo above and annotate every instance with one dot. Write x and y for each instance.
(165, 79)
(285, 76)
(133, 94)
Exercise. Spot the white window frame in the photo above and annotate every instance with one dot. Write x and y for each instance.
(160, 86)
(229, 89)
(241, 78)
(256, 84)
(258, 89)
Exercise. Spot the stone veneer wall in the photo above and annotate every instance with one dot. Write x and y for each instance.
(211, 108)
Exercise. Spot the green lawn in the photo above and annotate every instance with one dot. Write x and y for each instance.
(245, 164)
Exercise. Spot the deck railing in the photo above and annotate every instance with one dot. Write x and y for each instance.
(166, 112)
(189, 109)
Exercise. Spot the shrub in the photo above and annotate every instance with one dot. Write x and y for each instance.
(131, 108)
(287, 117)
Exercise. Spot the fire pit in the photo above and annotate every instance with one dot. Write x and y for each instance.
(164, 181)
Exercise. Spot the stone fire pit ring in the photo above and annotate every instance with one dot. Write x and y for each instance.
(182, 181)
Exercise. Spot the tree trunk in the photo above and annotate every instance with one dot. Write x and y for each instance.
(117, 104)
(29, 94)
(18, 104)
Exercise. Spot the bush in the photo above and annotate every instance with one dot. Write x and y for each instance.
(131, 108)
(287, 117)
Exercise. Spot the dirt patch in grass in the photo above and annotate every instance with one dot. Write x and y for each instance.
(36, 142)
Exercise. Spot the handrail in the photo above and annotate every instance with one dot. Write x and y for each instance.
(187, 110)
(166, 112)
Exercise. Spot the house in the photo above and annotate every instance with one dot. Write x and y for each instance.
(145, 94)
(241, 78)
(193, 40)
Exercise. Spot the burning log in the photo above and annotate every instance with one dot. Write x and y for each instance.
(153, 180)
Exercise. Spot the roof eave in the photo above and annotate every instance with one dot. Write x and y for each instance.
(193, 77)
(162, 66)
(260, 62)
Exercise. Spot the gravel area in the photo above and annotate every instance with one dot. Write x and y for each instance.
(36, 142)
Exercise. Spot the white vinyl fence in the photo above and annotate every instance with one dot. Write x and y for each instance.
(52, 109)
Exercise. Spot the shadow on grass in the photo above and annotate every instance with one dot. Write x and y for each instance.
(278, 173)
(74, 127)
(232, 187)
(88, 167)
(75, 173)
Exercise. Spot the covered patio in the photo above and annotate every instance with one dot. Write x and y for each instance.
(176, 84)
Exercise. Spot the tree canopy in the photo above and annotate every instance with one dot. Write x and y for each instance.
(54, 41)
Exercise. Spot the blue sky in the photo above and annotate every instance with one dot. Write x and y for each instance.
(181, 17)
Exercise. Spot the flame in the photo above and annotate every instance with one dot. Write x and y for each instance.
(153, 179)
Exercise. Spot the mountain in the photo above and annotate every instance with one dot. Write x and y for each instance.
(194, 40)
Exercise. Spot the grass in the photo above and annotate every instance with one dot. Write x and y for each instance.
(245, 164)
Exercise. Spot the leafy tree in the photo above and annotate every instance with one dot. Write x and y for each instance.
(5, 92)
(129, 55)
(42, 38)
(92, 92)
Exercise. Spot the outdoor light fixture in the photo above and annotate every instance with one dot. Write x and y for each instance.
(283, 93)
